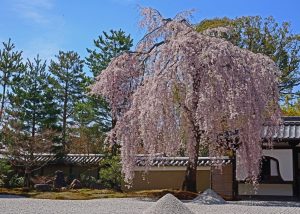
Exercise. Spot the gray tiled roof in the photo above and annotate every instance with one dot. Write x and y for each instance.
(289, 130)
(94, 159)
(73, 159)
(182, 161)
(76, 159)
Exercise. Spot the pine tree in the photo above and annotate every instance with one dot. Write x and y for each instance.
(108, 46)
(69, 83)
(32, 114)
(92, 121)
(11, 67)
(32, 99)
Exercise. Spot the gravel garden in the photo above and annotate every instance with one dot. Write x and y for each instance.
(207, 202)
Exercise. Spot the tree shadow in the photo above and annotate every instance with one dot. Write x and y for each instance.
(10, 196)
(267, 203)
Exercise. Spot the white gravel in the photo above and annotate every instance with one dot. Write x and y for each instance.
(168, 204)
(209, 197)
(134, 206)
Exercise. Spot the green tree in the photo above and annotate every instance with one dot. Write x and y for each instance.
(207, 24)
(291, 108)
(32, 99)
(92, 114)
(108, 46)
(11, 66)
(91, 123)
(264, 36)
(31, 116)
(92, 110)
(69, 82)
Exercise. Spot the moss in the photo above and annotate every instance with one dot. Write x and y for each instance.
(86, 194)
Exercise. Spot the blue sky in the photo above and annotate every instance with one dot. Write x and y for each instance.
(47, 26)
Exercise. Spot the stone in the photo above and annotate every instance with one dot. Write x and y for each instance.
(59, 180)
(76, 184)
(42, 187)
(50, 182)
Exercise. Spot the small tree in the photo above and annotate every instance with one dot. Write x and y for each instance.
(180, 90)
(22, 148)
(6, 173)
(110, 172)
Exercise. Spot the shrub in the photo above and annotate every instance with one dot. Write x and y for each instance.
(89, 181)
(110, 173)
(6, 173)
(16, 181)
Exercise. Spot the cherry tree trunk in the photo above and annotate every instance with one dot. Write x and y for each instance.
(190, 179)
(27, 178)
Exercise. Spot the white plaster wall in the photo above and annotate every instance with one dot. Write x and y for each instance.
(285, 159)
(274, 170)
(266, 189)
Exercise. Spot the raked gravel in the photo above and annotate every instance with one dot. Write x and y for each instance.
(168, 204)
(209, 197)
(131, 206)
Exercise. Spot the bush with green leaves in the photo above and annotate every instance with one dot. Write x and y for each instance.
(16, 181)
(110, 172)
(6, 173)
(89, 181)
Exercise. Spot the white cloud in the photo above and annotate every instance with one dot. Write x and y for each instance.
(34, 10)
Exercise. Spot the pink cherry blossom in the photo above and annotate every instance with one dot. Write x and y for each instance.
(181, 89)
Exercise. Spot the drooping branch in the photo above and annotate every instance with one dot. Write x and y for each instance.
(179, 85)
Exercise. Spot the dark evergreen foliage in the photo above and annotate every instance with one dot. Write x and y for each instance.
(107, 46)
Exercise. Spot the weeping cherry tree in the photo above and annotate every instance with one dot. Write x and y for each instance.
(180, 90)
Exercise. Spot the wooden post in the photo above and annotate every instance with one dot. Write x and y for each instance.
(42, 171)
(70, 170)
(211, 176)
(235, 186)
(98, 172)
